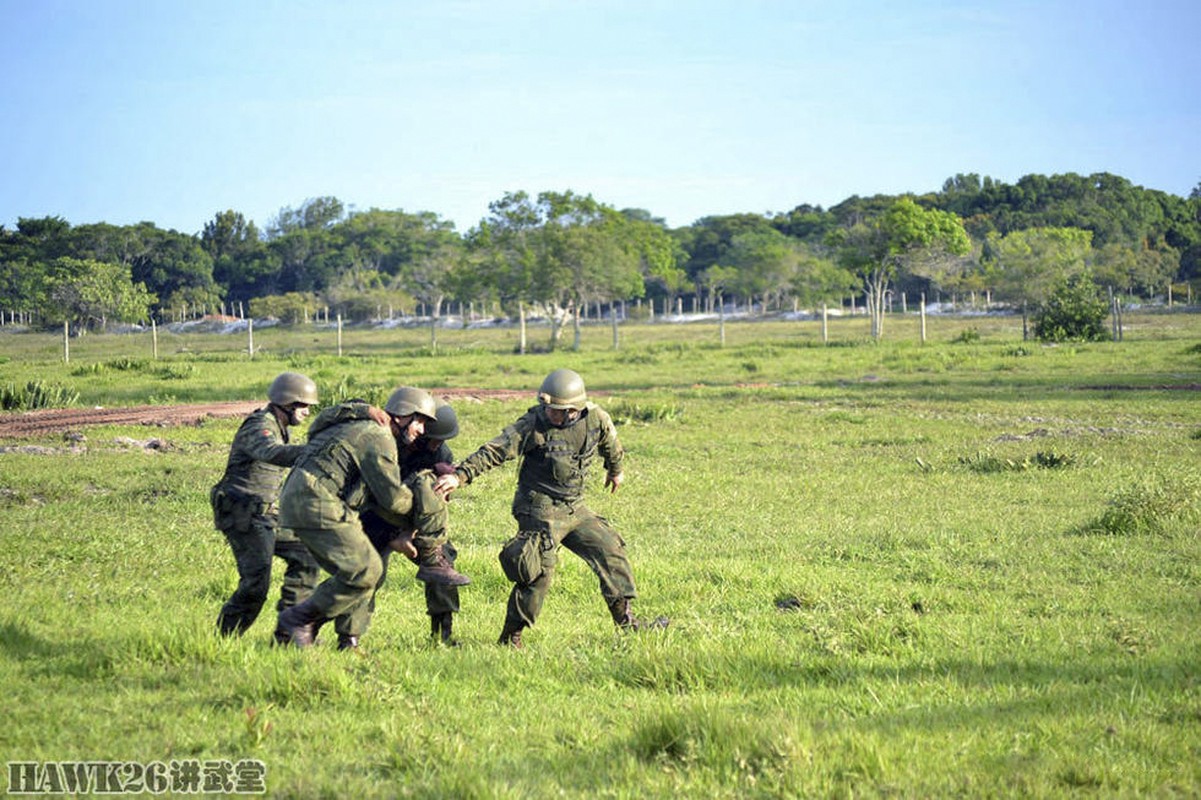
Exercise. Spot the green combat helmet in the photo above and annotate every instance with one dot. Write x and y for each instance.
(445, 425)
(563, 389)
(292, 387)
(408, 400)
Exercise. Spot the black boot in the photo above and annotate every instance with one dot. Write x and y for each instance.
(434, 568)
(298, 625)
(624, 619)
(441, 626)
(347, 642)
(511, 636)
(230, 625)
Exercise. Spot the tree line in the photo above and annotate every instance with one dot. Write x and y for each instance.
(554, 253)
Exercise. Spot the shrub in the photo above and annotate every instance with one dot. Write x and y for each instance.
(1075, 311)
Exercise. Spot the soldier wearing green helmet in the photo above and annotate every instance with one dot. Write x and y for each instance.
(244, 506)
(557, 441)
(349, 464)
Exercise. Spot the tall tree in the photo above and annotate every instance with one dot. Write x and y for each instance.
(89, 294)
(904, 236)
(240, 262)
(1025, 266)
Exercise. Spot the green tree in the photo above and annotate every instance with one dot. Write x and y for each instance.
(904, 236)
(714, 281)
(239, 254)
(766, 263)
(291, 308)
(562, 250)
(89, 294)
(1145, 271)
(658, 251)
(819, 278)
(1025, 266)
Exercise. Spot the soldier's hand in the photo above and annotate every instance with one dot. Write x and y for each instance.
(379, 415)
(403, 544)
(446, 484)
(612, 482)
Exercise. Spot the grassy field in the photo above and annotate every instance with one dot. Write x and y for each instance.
(965, 568)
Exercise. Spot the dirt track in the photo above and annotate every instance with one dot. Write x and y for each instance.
(37, 423)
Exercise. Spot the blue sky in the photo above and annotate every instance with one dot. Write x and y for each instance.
(171, 111)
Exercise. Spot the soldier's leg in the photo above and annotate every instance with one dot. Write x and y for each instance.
(355, 567)
(252, 546)
(599, 544)
(526, 599)
(442, 600)
(301, 571)
(430, 522)
(352, 625)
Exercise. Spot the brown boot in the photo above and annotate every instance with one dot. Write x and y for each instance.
(434, 568)
(298, 625)
(511, 636)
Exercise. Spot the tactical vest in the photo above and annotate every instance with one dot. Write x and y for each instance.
(555, 461)
(246, 478)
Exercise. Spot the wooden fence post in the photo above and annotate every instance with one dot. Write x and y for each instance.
(923, 314)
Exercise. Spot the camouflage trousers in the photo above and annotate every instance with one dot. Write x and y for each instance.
(429, 520)
(355, 568)
(254, 543)
(588, 535)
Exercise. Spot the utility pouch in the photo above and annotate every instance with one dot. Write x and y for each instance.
(231, 514)
(521, 557)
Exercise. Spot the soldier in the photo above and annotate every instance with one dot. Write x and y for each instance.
(244, 506)
(419, 463)
(351, 462)
(556, 441)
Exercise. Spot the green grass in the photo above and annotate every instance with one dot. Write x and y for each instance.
(866, 598)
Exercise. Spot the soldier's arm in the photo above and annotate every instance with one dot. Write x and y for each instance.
(263, 443)
(380, 469)
(609, 447)
(504, 447)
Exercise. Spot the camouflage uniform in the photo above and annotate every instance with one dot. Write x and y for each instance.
(549, 506)
(244, 509)
(350, 462)
(429, 520)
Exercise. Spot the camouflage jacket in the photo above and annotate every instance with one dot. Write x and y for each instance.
(555, 461)
(413, 461)
(258, 458)
(350, 461)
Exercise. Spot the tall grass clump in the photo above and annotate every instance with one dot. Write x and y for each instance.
(37, 394)
(986, 463)
(624, 412)
(1150, 506)
(716, 740)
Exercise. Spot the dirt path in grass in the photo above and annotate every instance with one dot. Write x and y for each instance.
(64, 420)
